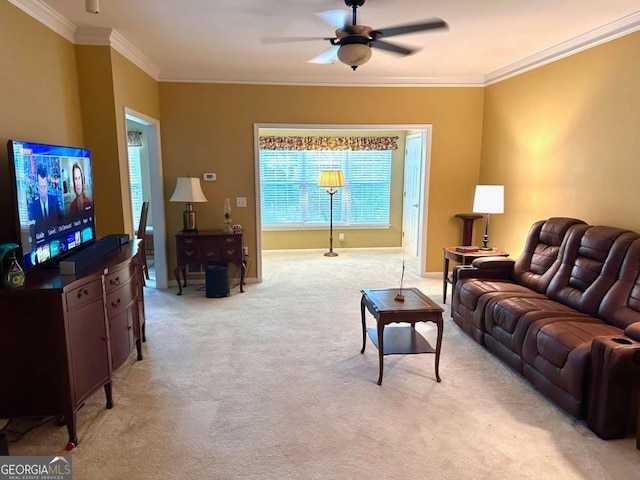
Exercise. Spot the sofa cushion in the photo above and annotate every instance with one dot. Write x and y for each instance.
(621, 304)
(538, 262)
(560, 352)
(508, 319)
(590, 264)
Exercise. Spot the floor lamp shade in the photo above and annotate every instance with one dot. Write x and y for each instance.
(331, 180)
(488, 199)
(189, 191)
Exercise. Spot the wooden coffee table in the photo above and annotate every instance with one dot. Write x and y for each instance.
(417, 307)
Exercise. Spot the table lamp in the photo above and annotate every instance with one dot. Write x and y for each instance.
(188, 190)
(488, 199)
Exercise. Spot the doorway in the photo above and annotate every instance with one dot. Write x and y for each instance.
(423, 174)
(150, 182)
(412, 194)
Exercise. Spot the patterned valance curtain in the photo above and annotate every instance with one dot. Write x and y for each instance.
(328, 143)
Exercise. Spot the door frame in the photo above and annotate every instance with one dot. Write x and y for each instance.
(152, 127)
(426, 166)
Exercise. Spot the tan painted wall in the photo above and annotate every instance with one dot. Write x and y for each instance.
(209, 128)
(99, 123)
(134, 89)
(354, 237)
(109, 83)
(564, 140)
(39, 99)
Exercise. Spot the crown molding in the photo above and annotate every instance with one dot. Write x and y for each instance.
(111, 38)
(86, 36)
(606, 33)
(47, 16)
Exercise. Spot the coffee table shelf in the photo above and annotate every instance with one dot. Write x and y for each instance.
(401, 341)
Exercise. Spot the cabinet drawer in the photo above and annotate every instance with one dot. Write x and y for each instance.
(83, 294)
(114, 279)
(120, 299)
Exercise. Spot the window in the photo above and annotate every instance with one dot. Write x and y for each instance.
(135, 183)
(291, 198)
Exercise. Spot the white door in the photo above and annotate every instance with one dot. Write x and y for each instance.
(412, 194)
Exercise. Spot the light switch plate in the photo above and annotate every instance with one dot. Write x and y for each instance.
(241, 201)
(208, 177)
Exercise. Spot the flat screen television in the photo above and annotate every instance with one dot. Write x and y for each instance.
(53, 200)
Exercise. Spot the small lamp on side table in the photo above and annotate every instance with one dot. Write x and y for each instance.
(488, 199)
(188, 190)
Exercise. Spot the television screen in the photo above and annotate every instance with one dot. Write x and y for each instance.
(53, 189)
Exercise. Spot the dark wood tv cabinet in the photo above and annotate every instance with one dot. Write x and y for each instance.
(208, 247)
(63, 336)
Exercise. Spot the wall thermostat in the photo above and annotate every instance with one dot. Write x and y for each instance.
(208, 177)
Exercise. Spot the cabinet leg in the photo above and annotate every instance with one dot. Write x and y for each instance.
(139, 348)
(70, 419)
(108, 394)
(176, 273)
(243, 268)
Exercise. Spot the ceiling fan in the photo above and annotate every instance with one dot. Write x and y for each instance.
(352, 43)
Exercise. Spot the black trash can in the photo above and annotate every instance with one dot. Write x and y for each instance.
(217, 281)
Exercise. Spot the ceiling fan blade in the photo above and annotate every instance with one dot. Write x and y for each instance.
(328, 56)
(393, 48)
(336, 18)
(433, 24)
(274, 40)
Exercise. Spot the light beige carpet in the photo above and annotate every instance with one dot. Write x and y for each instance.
(270, 384)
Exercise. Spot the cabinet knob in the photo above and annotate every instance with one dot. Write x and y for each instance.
(188, 253)
(230, 251)
(188, 240)
(116, 303)
(115, 281)
(83, 291)
(230, 239)
(210, 253)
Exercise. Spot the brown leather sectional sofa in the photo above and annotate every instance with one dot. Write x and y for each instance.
(566, 315)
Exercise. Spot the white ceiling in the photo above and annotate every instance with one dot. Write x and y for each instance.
(219, 40)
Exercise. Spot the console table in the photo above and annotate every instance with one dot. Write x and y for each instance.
(208, 247)
(63, 336)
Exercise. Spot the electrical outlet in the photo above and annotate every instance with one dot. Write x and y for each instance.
(245, 250)
(341, 237)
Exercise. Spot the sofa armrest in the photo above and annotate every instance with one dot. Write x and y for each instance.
(499, 268)
(633, 331)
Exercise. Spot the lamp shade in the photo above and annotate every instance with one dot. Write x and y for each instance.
(489, 199)
(331, 178)
(354, 54)
(188, 190)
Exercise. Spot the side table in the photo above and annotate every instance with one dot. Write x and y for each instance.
(417, 307)
(208, 247)
(464, 258)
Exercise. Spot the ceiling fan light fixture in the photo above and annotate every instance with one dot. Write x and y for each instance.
(354, 54)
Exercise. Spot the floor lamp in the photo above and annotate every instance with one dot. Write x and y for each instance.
(488, 199)
(331, 180)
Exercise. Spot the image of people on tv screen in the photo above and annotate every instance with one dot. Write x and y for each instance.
(45, 209)
(81, 202)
